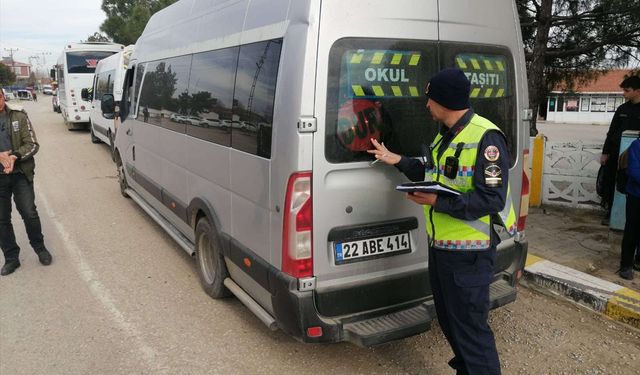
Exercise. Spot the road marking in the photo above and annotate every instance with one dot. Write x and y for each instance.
(101, 293)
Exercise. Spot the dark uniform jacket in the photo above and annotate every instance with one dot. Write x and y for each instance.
(627, 117)
(23, 140)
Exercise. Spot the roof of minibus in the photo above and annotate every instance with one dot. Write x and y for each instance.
(93, 46)
(190, 26)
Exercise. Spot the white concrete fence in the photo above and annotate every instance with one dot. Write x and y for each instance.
(569, 174)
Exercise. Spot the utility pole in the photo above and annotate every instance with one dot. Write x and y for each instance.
(13, 64)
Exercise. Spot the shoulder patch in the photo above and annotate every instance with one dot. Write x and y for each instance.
(491, 153)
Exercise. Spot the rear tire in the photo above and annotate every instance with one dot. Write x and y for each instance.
(122, 178)
(211, 267)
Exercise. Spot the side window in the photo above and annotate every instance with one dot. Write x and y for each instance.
(211, 96)
(491, 73)
(132, 86)
(165, 93)
(255, 89)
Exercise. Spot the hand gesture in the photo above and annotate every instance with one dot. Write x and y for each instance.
(383, 154)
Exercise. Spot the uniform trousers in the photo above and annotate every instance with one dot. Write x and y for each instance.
(21, 188)
(460, 281)
(631, 238)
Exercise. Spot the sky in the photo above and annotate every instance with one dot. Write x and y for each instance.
(35, 27)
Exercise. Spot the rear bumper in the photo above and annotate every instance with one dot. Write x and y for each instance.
(296, 311)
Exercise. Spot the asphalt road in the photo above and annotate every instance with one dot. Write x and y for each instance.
(122, 298)
(565, 132)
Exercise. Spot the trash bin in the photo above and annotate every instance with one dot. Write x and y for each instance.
(620, 200)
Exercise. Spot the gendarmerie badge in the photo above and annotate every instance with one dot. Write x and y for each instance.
(492, 176)
(491, 153)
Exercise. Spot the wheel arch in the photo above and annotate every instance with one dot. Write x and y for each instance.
(199, 208)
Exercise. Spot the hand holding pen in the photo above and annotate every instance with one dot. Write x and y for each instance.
(383, 154)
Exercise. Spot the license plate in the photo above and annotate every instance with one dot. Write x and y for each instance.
(369, 248)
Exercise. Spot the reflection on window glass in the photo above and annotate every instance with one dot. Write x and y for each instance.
(85, 62)
(211, 95)
(560, 105)
(619, 101)
(572, 104)
(164, 93)
(552, 105)
(611, 104)
(255, 89)
(584, 104)
(376, 90)
(598, 103)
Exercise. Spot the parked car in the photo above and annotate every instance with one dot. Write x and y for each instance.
(24, 95)
(47, 89)
(54, 101)
(175, 117)
(8, 94)
(194, 120)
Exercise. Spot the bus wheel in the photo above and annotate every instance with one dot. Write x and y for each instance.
(122, 178)
(211, 267)
(94, 139)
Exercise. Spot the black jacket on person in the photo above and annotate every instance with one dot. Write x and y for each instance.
(627, 117)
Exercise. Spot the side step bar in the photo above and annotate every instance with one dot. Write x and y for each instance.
(184, 242)
(413, 321)
(252, 305)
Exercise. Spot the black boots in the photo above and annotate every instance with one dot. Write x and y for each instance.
(44, 256)
(9, 267)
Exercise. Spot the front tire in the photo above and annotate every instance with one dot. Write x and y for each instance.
(94, 139)
(211, 267)
(122, 178)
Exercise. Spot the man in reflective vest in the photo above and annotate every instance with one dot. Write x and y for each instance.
(468, 155)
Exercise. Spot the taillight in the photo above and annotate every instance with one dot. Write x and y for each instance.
(297, 232)
(524, 192)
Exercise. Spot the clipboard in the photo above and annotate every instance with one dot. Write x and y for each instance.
(427, 187)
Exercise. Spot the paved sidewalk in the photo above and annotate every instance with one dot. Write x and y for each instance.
(572, 254)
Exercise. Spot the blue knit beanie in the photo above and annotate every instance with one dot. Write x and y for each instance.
(450, 88)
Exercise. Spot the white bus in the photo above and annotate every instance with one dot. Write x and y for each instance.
(75, 68)
(108, 79)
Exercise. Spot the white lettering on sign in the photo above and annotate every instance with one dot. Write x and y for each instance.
(385, 75)
(492, 79)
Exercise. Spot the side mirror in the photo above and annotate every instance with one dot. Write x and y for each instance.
(108, 106)
(52, 74)
(85, 95)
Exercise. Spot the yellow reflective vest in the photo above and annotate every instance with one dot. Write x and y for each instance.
(445, 231)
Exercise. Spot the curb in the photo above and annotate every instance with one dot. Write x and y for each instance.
(617, 302)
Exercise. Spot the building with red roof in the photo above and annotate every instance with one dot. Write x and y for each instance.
(22, 70)
(592, 102)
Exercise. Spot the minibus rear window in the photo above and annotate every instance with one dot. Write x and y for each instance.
(376, 90)
(85, 62)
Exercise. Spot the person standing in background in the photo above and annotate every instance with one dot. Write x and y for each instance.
(627, 117)
(631, 238)
(18, 145)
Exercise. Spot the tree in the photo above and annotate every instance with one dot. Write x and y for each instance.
(7, 76)
(98, 37)
(126, 19)
(574, 41)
